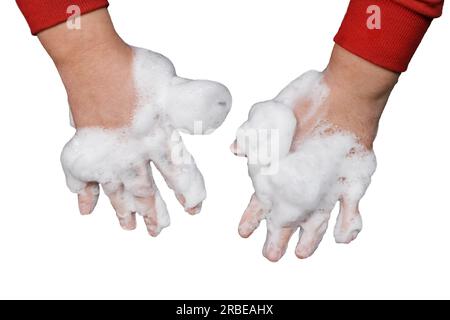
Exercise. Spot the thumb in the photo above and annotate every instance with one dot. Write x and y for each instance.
(197, 106)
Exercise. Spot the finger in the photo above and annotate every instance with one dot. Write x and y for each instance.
(154, 211)
(277, 242)
(312, 233)
(179, 170)
(349, 221)
(139, 183)
(128, 222)
(137, 180)
(192, 211)
(87, 192)
(234, 148)
(251, 218)
(146, 207)
(88, 197)
(149, 202)
(195, 210)
(197, 101)
(122, 204)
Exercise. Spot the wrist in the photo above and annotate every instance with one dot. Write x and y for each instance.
(361, 79)
(359, 91)
(95, 65)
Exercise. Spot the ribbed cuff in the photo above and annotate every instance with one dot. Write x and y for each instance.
(44, 14)
(393, 45)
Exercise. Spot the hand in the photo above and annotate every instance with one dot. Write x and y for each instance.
(311, 147)
(128, 105)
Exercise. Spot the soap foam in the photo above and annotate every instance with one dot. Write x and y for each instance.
(120, 159)
(309, 176)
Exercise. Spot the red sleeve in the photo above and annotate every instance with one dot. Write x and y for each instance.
(44, 14)
(392, 42)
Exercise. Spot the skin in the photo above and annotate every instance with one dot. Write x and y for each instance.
(359, 91)
(95, 65)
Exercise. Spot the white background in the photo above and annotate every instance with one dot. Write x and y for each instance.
(255, 47)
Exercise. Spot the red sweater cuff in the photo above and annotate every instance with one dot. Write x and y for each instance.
(44, 14)
(393, 45)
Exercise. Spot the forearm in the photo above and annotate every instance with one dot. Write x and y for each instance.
(90, 60)
(68, 46)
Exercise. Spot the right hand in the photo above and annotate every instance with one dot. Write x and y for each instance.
(311, 147)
